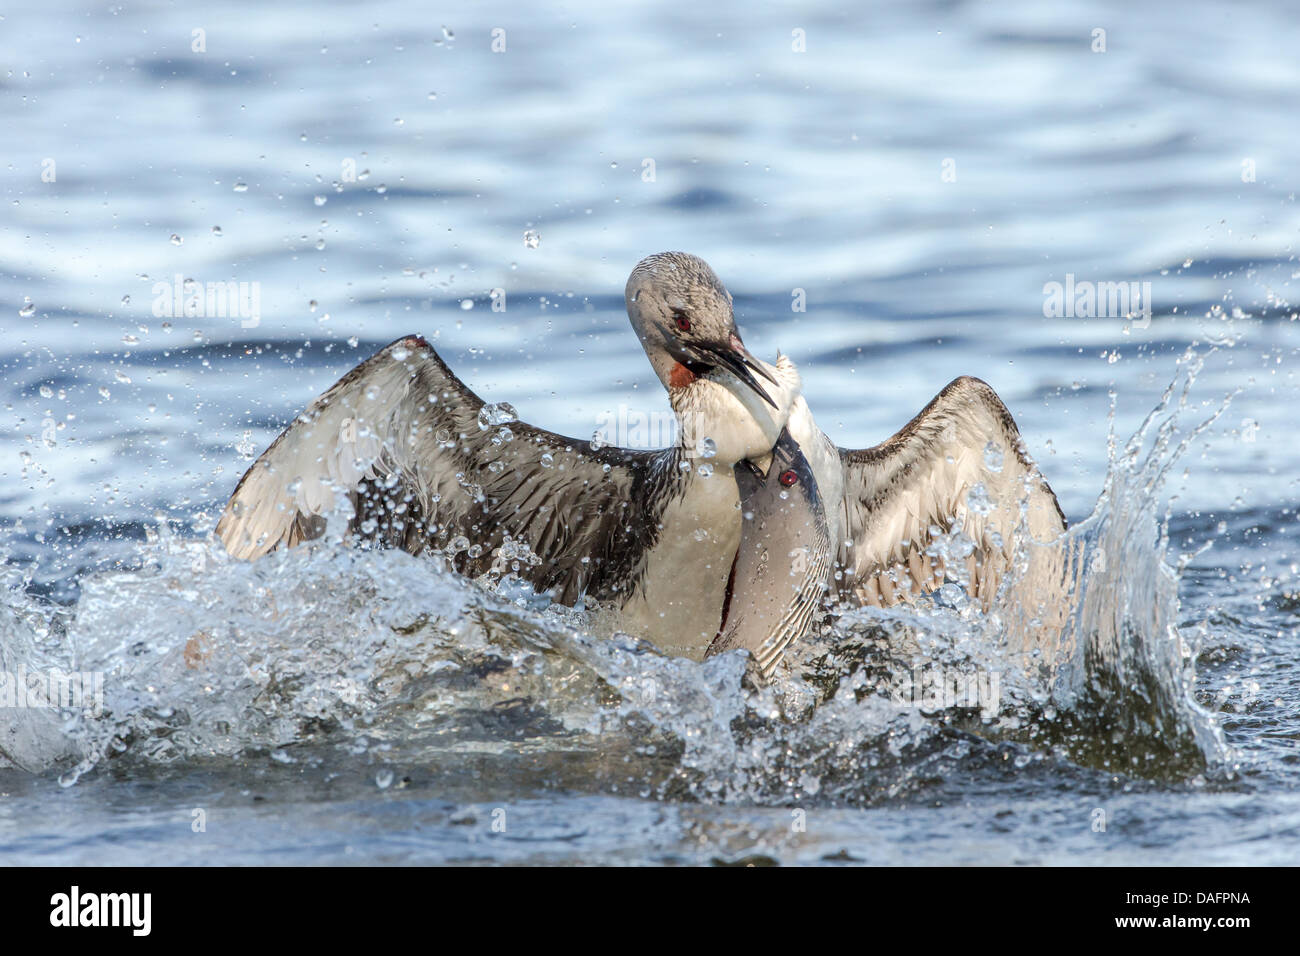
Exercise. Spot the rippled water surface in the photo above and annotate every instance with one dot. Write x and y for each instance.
(919, 174)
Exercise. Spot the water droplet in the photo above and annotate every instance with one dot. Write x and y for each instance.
(597, 441)
(531, 238)
(992, 457)
(700, 534)
(547, 460)
(500, 413)
(384, 779)
(216, 231)
(241, 187)
(28, 309)
(466, 304)
(177, 240)
(706, 448)
(704, 470)
(321, 200)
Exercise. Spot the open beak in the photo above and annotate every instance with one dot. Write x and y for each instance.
(735, 358)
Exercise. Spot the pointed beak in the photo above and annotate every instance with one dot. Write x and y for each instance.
(735, 358)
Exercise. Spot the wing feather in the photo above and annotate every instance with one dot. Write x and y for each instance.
(960, 465)
(397, 453)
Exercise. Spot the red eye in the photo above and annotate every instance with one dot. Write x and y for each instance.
(788, 478)
(682, 321)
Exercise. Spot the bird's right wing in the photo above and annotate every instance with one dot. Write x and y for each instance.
(401, 452)
(959, 464)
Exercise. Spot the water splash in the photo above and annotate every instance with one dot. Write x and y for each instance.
(1125, 690)
(323, 654)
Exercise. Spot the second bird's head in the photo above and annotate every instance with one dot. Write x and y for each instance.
(683, 315)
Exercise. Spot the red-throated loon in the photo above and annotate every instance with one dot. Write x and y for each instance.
(782, 571)
(409, 456)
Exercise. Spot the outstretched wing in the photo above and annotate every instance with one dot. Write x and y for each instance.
(958, 465)
(404, 453)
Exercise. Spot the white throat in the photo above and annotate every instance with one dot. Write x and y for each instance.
(718, 406)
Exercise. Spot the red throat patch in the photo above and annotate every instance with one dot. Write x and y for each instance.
(680, 376)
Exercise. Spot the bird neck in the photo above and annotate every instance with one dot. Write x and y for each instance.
(719, 407)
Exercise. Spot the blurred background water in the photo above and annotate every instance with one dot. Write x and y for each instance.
(920, 171)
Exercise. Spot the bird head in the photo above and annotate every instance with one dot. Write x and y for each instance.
(683, 315)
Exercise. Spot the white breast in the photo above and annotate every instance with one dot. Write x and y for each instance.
(679, 605)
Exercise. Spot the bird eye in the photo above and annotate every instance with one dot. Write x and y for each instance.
(788, 478)
(682, 321)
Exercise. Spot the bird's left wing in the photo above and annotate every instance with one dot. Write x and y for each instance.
(958, 465)
(399, 451)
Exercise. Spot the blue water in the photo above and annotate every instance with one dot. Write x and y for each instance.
(920, 172)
